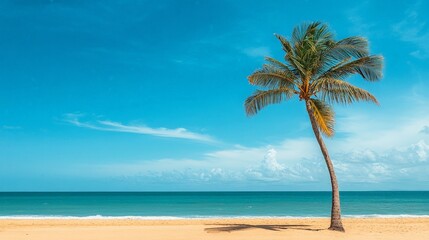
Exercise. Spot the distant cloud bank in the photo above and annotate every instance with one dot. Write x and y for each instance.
(368, 153)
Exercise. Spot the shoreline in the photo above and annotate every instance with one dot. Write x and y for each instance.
(101, 217)
(221, 228)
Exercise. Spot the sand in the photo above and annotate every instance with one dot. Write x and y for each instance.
(219, 229)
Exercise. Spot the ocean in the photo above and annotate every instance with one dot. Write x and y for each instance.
(171, 205)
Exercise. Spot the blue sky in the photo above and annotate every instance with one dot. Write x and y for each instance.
(148, 95)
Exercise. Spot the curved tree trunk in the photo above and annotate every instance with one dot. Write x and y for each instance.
(336, 223)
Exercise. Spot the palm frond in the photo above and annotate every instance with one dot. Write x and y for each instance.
(323, 36)
(369, 67)
(315, 68)
(339, 91)
(302, 31)
(296, 63)
(289, 70)
(323, 115)
(287, 47)
(261, 99)
(310, 44)
(351, 47)
(272, 77)
(290, 55)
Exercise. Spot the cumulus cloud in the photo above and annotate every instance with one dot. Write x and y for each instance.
(372, 151)
(255, 164)
(368, 151)
(105, 125)
(270, 169)
(382, 166)
(270, 162)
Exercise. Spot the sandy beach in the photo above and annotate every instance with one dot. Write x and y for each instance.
(240, 229)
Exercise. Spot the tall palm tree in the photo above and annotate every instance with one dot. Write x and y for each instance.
(315, 69)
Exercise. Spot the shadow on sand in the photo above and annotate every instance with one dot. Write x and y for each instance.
(240, 227)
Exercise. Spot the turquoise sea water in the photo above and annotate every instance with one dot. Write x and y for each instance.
(210, 204)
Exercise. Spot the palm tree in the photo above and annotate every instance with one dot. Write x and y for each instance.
(315, 69)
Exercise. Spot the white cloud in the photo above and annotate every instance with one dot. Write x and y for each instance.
(105, 125)
(372, 151)
(250, 165)
(270, 162)
(370, 147)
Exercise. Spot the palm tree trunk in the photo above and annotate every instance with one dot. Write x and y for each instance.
(336, 223)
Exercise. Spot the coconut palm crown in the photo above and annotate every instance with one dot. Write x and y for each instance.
(315, 69)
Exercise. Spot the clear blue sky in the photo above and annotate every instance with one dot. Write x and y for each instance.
(148, 95)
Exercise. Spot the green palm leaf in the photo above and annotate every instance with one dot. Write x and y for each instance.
(323, 115)
(272, 77)
(287, 47)
(339, 91)
(261, 99)
(355, 47)
(287, 69)
(316, 68)
(369, 67)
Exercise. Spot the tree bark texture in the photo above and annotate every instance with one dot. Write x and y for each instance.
(336, 223)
